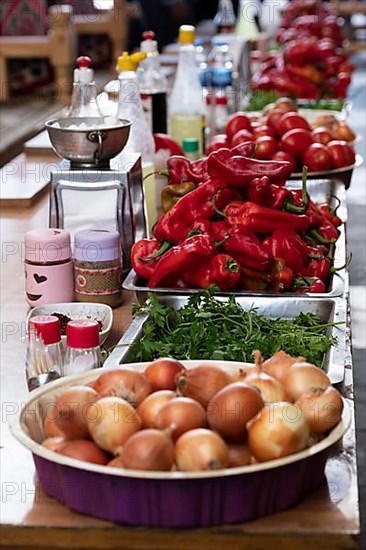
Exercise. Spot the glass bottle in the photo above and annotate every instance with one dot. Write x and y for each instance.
(190, 148)
(84, 99)
(246, 22)
(187, 107)
(225, 19)
(82, 346)
(201, 60)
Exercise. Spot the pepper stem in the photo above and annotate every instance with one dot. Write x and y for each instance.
(163, 248)
(219, 212)
(338, 201)
(302, 208)
(318, 237)
(344, 266)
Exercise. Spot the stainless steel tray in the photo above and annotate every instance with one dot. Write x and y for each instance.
(329, 310)
(320, 191)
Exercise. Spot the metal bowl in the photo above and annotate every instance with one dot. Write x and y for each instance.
(91, 144)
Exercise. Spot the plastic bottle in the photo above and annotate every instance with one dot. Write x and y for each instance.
(130, 107)
(220, 115)
(153, 85)
(219, 76)
(191, 148)
(82, 346)
(225, 19)
(201, 60)
(84, 99)
(246, 22)
(187, 107)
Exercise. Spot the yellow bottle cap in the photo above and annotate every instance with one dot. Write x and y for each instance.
(186, 34)
(127, 62)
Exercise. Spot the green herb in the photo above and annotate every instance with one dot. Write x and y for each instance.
(208, 328)
(257, 100)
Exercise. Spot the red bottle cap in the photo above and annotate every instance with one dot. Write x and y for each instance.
(148, 35)
(47, 327)
(83, 61)
(82, 334)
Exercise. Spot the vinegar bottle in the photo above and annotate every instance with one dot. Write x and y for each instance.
(84, 99)
(187, 107)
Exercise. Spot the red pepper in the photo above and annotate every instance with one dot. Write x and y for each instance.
(261, 191)
(198, 204)
(246, 248)
(309, 284)
(261, 219)
(330, 213)
(282, 276)
(245, 149)
(239, 171)
(145, 255)
(222, 271)
(180, 169)
(287, 245)
(326, 232)
(181, 258)
(252, 279)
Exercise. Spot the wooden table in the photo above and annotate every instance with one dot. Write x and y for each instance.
(328, 519)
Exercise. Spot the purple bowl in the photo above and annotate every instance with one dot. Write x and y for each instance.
(169, 499)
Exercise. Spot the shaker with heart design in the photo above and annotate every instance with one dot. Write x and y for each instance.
(48, 267)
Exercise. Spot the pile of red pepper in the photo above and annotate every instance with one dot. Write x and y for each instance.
(239, 228)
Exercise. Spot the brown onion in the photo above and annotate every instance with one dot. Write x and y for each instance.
(202, 382)
(161, 373)
(231, 408)
(270, 389)
(111, 421)
(149, 408)
(49, 425)
(278, 430)
(302, 377)
(116, 462)
(181, 414)
(322, 408)
(201, 450)
(125, 383)
(53, 443)
(83, 449)
(149, 450)
(72, 408)
(239, 455)
(279, 365)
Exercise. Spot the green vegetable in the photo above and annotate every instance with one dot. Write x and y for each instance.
(207, 328)
(257, 100)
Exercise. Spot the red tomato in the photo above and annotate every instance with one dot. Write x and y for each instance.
(264, 131)
(283, 155)
(240, 137)
(266, 146)
(239, 121)
(296, 141)
(273, 118)
(317, 158)
(322, 135)
(342, 153)
(217, 142)
(289, 121)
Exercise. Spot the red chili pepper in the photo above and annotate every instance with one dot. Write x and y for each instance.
(239, 171)
(222, 270)
(181, 258)
(196, 205)
(179, 169)
(309, 284)
(330, 213)
(245, 149)
(200, 227)
(261, 191)
(261, 219)
(245, 247)
(326, 232)
(282, 276)
(287, 245)
(145, 254)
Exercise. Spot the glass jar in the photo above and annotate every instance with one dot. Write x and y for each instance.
(82, 346)
(98, 267)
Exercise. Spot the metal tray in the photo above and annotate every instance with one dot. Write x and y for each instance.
(321, 191)
(329, 310)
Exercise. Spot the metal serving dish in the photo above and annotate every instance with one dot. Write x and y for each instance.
(169, 499)
(321, 191)
(330, 310)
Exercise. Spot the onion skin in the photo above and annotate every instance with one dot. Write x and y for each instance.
(111, 422)
(72, 408)
(231, 408)
(125, 383)
(239, 455)
(84, 449)
(151, 405)
(280, 429)
(303, 377)
(202, 382)
(270, 389)
(279, 365)
(151, 450)
(116, 462)
(201, 450)
(49, 425)
(162, 372)
(181, 414)
(322, 408)
(53, 443)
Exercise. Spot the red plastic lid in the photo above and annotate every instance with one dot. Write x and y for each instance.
(83, 61)
(148, 35)
(47, 327)
(82, 334)
(220, 100)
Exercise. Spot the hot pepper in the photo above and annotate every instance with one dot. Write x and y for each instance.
(222, 271)
(245, 149)
(200, 227)
(287, 245)
(246, 248)
(261, 219)
(180, 169)
(326, 232)
(198, 204)
(282, 276)
(309, 284)
(309, 72)
(170, 194)
(331, 213)
(254, 280)
(145, 255)
(239, 171)
(322, 267)
(181, 258)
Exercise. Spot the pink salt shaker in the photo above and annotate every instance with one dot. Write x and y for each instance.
(48, 267)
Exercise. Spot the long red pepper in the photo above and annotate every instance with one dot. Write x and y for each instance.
(222, 270)
(261, 219)
(145, 255)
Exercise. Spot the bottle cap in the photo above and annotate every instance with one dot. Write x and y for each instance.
(47, 327)
(219, 100)
(148, 43)
(43, 246)
(82, 334)
(190, 145)
(83, 73)
(127, 62)
(186, 34)
(97, 245)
